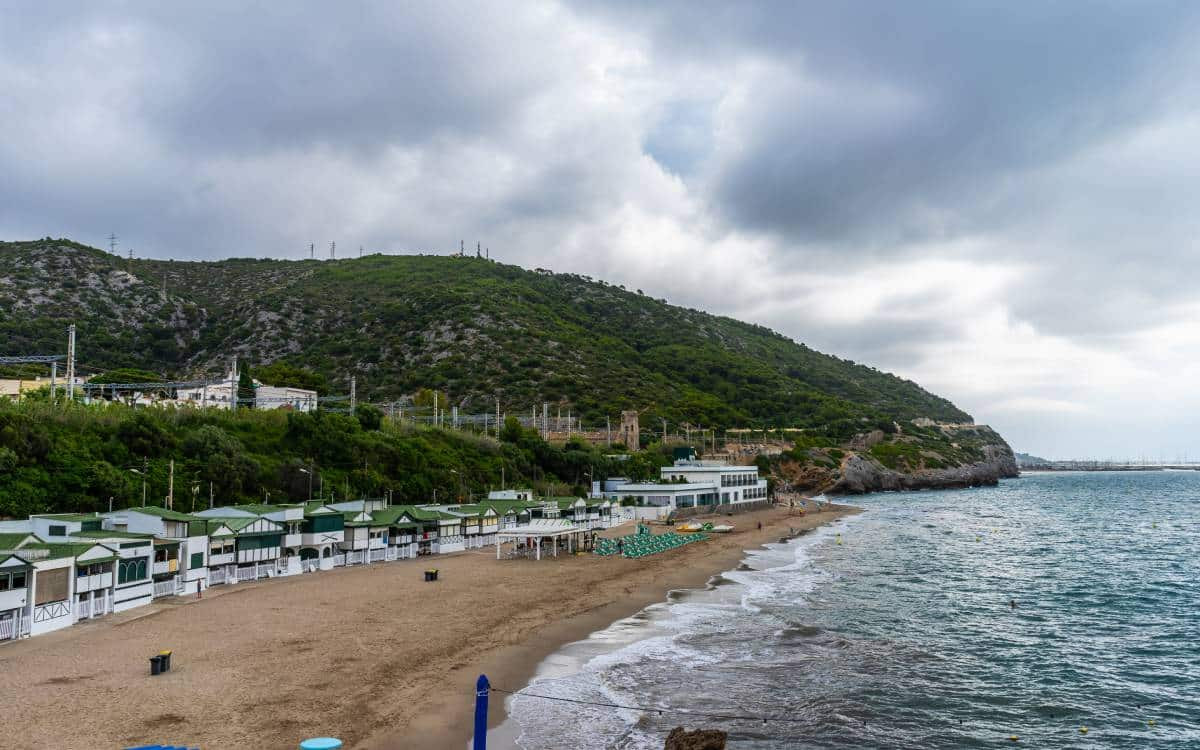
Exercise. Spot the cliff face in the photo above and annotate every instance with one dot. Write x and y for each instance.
(861, 474)
(917, 455)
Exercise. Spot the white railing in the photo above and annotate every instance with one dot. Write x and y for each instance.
(339, 560)
(84, 610)
(164, 588)
(247, 574)
(391, 554)
(377, 555)
(264, 570)
(216, 576)
(8, 628)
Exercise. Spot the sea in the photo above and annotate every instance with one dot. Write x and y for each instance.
(1056, 610)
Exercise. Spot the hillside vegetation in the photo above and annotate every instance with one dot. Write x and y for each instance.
(474, 329)
(61, 457)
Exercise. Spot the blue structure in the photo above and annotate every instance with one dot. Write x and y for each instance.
(482, 689)
(321, 743)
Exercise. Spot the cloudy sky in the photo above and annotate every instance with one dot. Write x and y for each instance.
(997, 200)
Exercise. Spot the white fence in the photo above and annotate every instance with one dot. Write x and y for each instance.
(169, 587)
(265, 570)
(339, 560)
(83, 610)
(216, 576)
(8, 628)
(378, 555)
(247, 574)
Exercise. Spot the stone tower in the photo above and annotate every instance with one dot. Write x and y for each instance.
(630, 433)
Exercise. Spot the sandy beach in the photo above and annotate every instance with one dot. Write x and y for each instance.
(370, 654)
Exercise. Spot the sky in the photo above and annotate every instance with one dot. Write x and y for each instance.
(994, 199)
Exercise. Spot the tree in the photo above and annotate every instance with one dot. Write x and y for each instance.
(370, 417)
(245, 388)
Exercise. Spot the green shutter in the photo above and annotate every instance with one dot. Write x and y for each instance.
(197, 560)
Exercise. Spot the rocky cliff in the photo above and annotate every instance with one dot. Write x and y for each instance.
(916, 455)
(860, 474)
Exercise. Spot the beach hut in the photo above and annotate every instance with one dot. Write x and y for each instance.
(16, 576)
(189, 531)
(321, 535)
(366, 538)
(134, 585)
(401, 533)
(243, 548)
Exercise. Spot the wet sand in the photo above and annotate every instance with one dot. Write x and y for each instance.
(370, 654)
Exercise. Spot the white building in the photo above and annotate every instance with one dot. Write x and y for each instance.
(220, 394)
(284, 397)
(689, 484)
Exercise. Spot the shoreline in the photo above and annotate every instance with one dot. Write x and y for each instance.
(448, 723)
(371, 654)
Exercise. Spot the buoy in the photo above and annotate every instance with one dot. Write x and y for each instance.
(977, 539)
(1150, 723)
(1083, 730)
(1013, 737)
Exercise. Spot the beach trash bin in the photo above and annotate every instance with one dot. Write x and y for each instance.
(321, 743)
(165, 656)
(431, 575)
(155, 665)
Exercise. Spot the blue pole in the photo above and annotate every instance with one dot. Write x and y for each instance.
(482, 688)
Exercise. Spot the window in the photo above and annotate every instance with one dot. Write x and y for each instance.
(53, 586)
(57, 530)
(130, 571)
(197, 560)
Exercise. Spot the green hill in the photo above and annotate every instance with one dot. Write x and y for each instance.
(474, 329)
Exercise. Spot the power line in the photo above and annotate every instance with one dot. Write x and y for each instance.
(655, 709)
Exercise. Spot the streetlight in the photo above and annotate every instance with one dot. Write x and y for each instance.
(142, 474)
(308, 471)
(460, 483)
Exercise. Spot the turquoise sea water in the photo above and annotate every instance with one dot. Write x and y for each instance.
(903, 634)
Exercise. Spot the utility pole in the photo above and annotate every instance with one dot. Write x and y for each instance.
(497, 417)
(332, 250)
(360, 251)
(71, 362)
(353, 393)
(112, 243)
(210, 495)
(435, 408)
(312, 250)
(233, 384)
(608, 430)
(171, 487)
(53, 381)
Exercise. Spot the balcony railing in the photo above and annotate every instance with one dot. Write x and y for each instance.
(166, 588)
